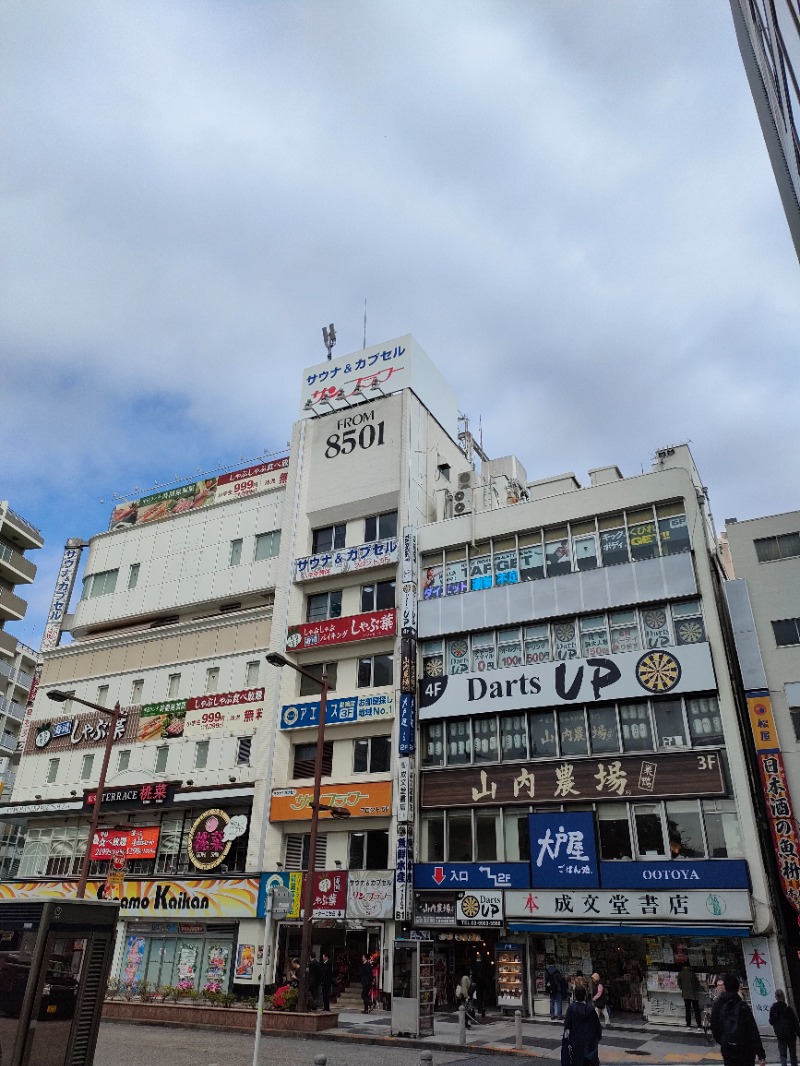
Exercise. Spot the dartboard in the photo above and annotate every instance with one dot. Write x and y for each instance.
(458, 649)
(658, 671)
(690, 632)
(655, 619)
(433, 668)
(470, 906)
(565, 632)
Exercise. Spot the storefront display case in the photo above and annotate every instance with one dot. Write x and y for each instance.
(510, 975)
(413, 988)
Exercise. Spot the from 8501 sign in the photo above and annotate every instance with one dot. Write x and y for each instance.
(355, 431)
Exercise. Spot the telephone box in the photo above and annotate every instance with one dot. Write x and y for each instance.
(55, 957)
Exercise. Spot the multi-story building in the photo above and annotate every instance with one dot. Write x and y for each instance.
(531, 722)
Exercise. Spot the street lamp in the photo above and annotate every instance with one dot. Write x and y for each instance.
(276, 659)
(114, 713)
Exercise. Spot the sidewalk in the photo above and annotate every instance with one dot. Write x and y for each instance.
(541, 1039)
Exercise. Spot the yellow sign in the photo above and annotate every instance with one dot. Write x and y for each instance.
(221, 897)
(762, 723)
(362, 800)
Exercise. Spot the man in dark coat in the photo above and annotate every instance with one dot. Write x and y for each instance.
(784, 1023)
(734, 1027)
(582, 1030)
(690, 991)
(365, 977)
(477, 975)
(314, 981)
(327, 981)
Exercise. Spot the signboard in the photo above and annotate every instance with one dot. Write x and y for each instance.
(132, 842)
(406, 733)
(292, 882)
(347, 560)
(783, 826)
(338, 710)
(211, 836)
(236, 485)
(409, 571)
(408, 664)
(404, 864)
(480, 907)
(370, 894)
(563, 850)
(583, 780)
(472, 875)
(355, 627)
(59, 605)
(760, 979)
(552, 684)
(367, 799)
(13, 810)
(53, 735)
(408, 609)
(162, 721)
(680, 873)
(214, 897)
(133, 797)
(329, 894)
(405, 789)
(232, 712)
(435, 908)
(762, 723)
(724, 906)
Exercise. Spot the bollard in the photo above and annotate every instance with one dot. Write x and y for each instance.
(518, 1029)
(426, 1058)
(320, 1060)
(462, 1025)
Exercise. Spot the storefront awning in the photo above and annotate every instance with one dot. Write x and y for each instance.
(628, 929)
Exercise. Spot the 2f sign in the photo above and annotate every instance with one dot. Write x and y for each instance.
(354, 431)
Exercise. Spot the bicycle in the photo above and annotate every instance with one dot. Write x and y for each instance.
(705, 1024)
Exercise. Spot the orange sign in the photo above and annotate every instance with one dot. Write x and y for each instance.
(762, 723)
(365, 799)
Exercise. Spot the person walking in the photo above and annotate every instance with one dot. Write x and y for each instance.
(477, 974)
(553, 987)
(690, 990)
(786, 1027)
(314, 981)
(326, 984)
(600, 999)
(365, 977)
(734, 1027)
(582, 1030)
(463, 991)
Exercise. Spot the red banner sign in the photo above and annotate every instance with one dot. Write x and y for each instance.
(329, 894)
(782, 824)
(354, 627)
(133, 842)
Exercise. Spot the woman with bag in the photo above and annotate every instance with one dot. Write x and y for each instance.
(582, 1033)
(600, 999)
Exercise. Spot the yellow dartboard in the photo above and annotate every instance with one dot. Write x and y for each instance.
(470, 906)
(658, 671)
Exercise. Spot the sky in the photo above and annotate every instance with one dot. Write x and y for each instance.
(568, 203)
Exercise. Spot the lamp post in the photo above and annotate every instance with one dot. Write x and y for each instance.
(113, 713)
(276, 659)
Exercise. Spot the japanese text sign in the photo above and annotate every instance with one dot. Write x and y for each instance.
(338, 710)
(347, 560)
(363, 800)
(370, 894)
(563, 850)
(658, 905)
(369, 626)
(329, 894)
(762, 723)
(782, 824)
(133, 842)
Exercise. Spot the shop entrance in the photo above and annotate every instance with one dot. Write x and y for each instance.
(345, 945)
(455, 954)
(170, 957)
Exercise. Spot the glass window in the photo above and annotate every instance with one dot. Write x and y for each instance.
(537, 644)
(684, 830)
(636, 732)
(603, 729)
(722, 829)
(642, 535)
(433, 744)
(687, 618)
(456, 580)
(375, 671)
(480, 568)
(624, 632)
(705, 720)
(787, 632)
(369, 850)
(487, 835)
(86, 767)
(379, 527)
(432, 845)
(655, 626)
(235, 552)
(133, 575)
(432, 658)
(432, 586)
(379, 596)
(52, 770)
(459, 836)
(459, 742)
(484, 740)
(243, 748)
(173, 685)
(268, 545)
(100, 584)
(613, 540)
(371, 755)
(304, 758)
(649, 831)
(542, 734)
(594, 636)
(102, 695)
(557, 553)
(212, 679)
(506, 569)
(123, 760)
(201, 754)
(458, 656)
(670, 727)
(572, 730)
(513, 736)
(516, 836)
(483, 657)
(566, 640)
(251, 674)
(531, 559)
(674, 535)
(162, 753)
(137, 689)
(614, 831)
(324, 605)
(509, 648)
(767, 550)
(585, 551)
(328, 538)
(308, 687)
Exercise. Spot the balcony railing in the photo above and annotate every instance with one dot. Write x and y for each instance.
(21, 566)
(11, 606)
(8, 743)
(23, 521)
(7, 780)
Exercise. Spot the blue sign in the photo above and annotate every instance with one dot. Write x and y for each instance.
(405, 744)
(564, 850)
(472, 875)
(676, 873)
(338, 711)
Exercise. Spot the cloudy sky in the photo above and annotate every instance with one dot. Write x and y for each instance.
(568, 203)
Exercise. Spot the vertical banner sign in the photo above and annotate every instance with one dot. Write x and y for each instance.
(408, 664)
(406, 744)
(26, 722)
(408, 611)
(405, 789)
(404, 873)
(760, 979)
(59, 605)
(409, 555)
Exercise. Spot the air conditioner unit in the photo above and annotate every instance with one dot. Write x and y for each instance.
(465, 480)
(462, 497)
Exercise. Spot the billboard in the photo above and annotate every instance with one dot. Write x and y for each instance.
(369, 626)
(366, 799)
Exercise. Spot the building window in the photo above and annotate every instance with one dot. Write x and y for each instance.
(52, 770)
(684, 830)
(787, 632)
(368, 850)
(374, 671)
(268, 545)
(133, 575)
(123, 760)
(243, 746)
(380, 527)
(432, 844)
(795, 714)
(102, 695)
(614, 831)
(304, 757)
(251, 672)
(433, 744)
(785, 546)
(379, 596)
(642, 535)
(212, 679)
(722, 829)
(137, 689)
(649, 831)
(101, 584)
(307, 686)
(86, 767)
(687, 620)
(328, 538)
(295, 856)
(161, 759)
(324, 605)
(173, 686)
(584, 550)
(236, 552)
(201, 754)
(557, 553)
(673, 532)
(371, 755)
(705, 720)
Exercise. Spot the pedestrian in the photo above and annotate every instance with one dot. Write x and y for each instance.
(294, 973)
(582, 1030)
(463, 990)
(690, 990)
(365, 977)
(314, 981)
(477, 974)
(600, 1000)
(734, 1027)
(327, 981)
(784, 1022)
(552, 986)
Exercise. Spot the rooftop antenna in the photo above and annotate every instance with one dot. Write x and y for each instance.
(329, 337)
(365, 323)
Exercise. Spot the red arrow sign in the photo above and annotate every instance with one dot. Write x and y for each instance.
(438, 874)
